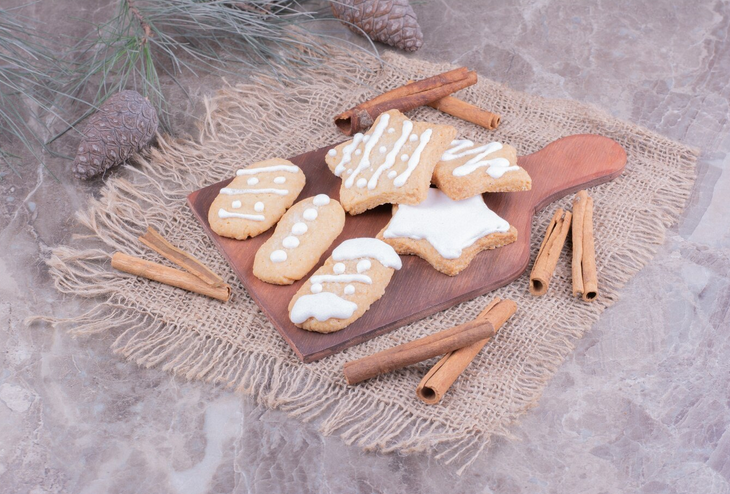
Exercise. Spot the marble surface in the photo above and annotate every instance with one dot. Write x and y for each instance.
(640, 406)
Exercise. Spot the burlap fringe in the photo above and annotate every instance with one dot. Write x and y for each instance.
(142, 195)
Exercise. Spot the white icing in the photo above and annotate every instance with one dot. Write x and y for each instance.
(341, 278)
(404, 157)
(223, 214)
(338, 268)
(349, 290)
(361, 183)
(265, 169)
(450, 226)
(358, 152)
(371, 143)
(391, 130)
(280, 180)
(382, 149)
(366, 138)
(332, 152)
(321, 200)
(299, 228)
(252, 181)
(290, 242)
(390, 158)
(347, 154)
(413, 138)
(496, 167)
(237, 205)
(310, 214)
(360, 248)
(401, 179)
(348, 171)
(460, 148)
(363, 265)
(392, 174)
(278, 256)
(236, 192)
(322, 306)
(259, 206)
(316, 288)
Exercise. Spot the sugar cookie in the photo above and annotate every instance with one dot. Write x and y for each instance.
(253, 201)
(298, 243)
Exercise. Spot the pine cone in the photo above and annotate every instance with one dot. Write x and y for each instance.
(392, 22)
(123, 125)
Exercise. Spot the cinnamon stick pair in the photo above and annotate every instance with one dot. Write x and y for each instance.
(585, 278)
(196, 277)
(458, 345)
(433, 91)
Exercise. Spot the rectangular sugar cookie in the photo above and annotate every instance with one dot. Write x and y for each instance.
(302, 235)
(348, 283)
(255, 200)
(392, 163)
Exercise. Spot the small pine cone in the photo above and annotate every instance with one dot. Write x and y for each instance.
(392, 22)
(123, 125)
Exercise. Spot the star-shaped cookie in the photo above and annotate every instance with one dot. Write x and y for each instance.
(448, 234)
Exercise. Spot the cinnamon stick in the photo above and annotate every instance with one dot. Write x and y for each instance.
(405, 98)
(417, 351)
(465, 111)
(439, 379)
(169, 276)
(585, 278)
(159, 244)
(547, 257)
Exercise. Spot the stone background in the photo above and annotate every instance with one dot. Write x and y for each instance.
(642, 405)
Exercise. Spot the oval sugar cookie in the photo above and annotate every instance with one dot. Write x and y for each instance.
(350, 281)
(303, 234)
(255, 200)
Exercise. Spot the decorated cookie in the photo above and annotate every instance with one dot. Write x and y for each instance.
(466, 170)
(391, 163)
(446, 233)
(303, 234)
(348, 283)
(255, 200)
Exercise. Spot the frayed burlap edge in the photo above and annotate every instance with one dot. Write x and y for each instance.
(144, 194)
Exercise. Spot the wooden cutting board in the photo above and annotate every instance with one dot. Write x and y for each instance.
(417, 290)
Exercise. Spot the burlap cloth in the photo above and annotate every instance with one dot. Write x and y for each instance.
(233, 343)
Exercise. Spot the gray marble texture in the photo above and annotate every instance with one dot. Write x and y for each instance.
(642, 405)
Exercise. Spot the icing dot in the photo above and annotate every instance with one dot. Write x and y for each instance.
(310, 214)
(339, 268)
(363, 265)
(258, 207)
(278, 256)
(349, 290)
(290, 242)
(321, 200)
(252, 181)
(358, 152)
(361, 182)
(392, 174)
(382, 149)
(358, 135)
(299, 228)
(316, 287)
(236, 204)
(366, 138)
(280, 180)
(413, 138)
(332, 152)
(404, 157)
(391, 130)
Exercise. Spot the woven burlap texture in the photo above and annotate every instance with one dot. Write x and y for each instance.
(233, 343)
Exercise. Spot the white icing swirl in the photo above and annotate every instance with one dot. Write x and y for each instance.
(347, 154)
(321, 306)
(371, 143)
(360, 248)
(390, 158)
(415, 159)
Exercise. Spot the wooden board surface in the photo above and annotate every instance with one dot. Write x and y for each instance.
(417, 290)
